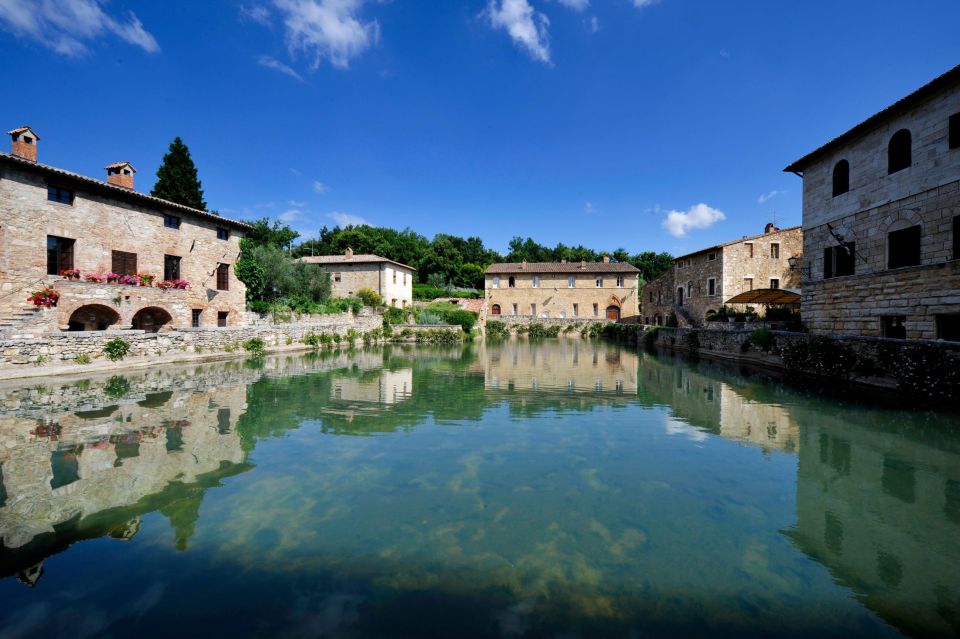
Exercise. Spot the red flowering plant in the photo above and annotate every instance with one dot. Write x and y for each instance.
(145, 279)
(165, 285)
(93, 277)
(70, 274)
(182, 284)
(131, 280)
(46, 297)
(112, 278)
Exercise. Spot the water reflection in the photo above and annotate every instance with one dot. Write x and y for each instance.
(525, 489)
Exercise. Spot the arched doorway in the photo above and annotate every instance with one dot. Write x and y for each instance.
(495, 309)
(613, 313)
(151, 319)
(93, 317)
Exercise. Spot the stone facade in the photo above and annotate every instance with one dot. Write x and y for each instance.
(92, 223)
(535, 291)
(349, 273)
(903, 278)
(700, 282)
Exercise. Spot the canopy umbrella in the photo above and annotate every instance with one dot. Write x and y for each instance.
(767, 296)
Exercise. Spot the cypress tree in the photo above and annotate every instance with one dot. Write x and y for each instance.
(177, 178)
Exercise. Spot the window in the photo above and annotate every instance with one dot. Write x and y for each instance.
(171, 267)
(651, 297)
(223, 234)
(336, 277)
(955, 131)
(619, 281)
(516, 309)
(405, 279)
(124, 263)
(495, 309)
(775, 251)
(711, 257)
(195, 317)
(394, 277)
(57, 194)
(223, 277)
(596, 310)
(495, 283)
(689, 289)
(533, 310)
(26, 139)
(748, 283)
(599, 281)
(393, 302)
(536, 281)
(712, 286)
(839, 260)
(576, 310)
(571, 282)
(898, 152)
(841, 178)
(894, 326)
(948, 327)
(222, 318)
(749, 246)
(774, 283)
(903, 247)
(512, 282)
(171, 221)
(59, 254)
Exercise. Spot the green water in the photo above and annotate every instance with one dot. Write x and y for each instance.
(559, 489)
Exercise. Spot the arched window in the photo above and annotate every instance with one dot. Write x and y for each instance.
(841, 178)
(495, 309)
(898, 153)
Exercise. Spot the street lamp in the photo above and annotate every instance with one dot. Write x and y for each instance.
(796, 264)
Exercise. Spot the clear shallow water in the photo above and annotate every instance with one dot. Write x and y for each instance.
(561, 489)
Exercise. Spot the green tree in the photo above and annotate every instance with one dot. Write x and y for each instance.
(177, 179)
(250, 271)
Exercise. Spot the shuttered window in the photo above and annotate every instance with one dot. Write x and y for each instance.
(124, 263)
(223, 277)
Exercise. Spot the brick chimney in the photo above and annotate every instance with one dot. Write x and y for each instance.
(606, 259)
(348, 252)
(24, 143)
(121, 174)
(770, 228)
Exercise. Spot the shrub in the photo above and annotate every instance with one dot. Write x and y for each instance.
(387, 329)
(370, 297)
(255, 347)
(926, 370)
(497, 330)
(260, 306)
(465, 319)
(82, 358)
(762, 339)
(396, 315)
(426, 317)
(820, 356)
(116, 349)
(352, 335)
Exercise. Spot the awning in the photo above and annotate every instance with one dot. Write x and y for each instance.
(767, 296)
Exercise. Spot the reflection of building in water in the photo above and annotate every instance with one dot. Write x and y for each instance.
(569, 365)
(95, 465)
(881, 511)
(719, 407)
(376, 386)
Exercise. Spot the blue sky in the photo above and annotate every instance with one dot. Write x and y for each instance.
(647, 125)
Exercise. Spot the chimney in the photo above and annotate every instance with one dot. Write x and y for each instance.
(348, 252)
(121, 174)
(606, 259)
(770, 228)
(523, 265)
(24, 143)
(583, 264)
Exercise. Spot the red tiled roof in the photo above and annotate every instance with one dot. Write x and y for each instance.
(352, 259)
(21, 129)
(561, 267)
(118, 192)
(949, 78)
(117, 165)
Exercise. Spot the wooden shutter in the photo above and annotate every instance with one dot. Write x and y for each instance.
(223, 277)
(65, 249)
(124, 263)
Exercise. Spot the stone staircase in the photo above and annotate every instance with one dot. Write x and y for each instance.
(683, 317)
(24, 321)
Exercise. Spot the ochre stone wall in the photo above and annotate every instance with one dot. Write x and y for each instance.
(378, 277)
(555, 299)
(99, 226)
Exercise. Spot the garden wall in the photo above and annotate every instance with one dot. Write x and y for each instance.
(512, 321)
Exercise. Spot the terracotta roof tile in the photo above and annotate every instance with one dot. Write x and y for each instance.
(561, 267)
(353, 259)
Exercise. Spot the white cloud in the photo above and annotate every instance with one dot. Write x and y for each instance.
(346, 219)
(576, 5)
(295, 171)
(295, 204)
(293, 215)
(528, 28)
(766, 197)
(640, 4)
(594, 24)
(698, 216)
(66, 26)
(276, 65)
(588, 207)
(255, 13)
(327, 30)
(320, 187)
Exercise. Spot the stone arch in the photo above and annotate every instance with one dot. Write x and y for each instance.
(92, 317)
(613, 312)
(151, 319)
(495, 309)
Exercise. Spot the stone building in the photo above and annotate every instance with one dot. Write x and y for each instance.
(701, 281)
(881, 221)
(54, 220)
(349, 273)
(570, 290)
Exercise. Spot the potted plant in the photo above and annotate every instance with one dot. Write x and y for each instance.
(130, 280)
(165, 285)
(93, 277)
(70, 274)
(145, 279)
(111, 278)
(181, 284)
(45, 297)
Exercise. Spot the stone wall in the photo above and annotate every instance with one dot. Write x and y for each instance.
(750, 263)
(656, 298)
(346, 280)
(512, 321)
(554, 297)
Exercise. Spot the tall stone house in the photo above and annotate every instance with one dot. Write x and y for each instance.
(881, 221)
(565, 290)
(52, 220)
(349, 273)
(700, 282)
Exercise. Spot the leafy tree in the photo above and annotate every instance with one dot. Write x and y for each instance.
(177, 179)
(263, 233)
(250, 271)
